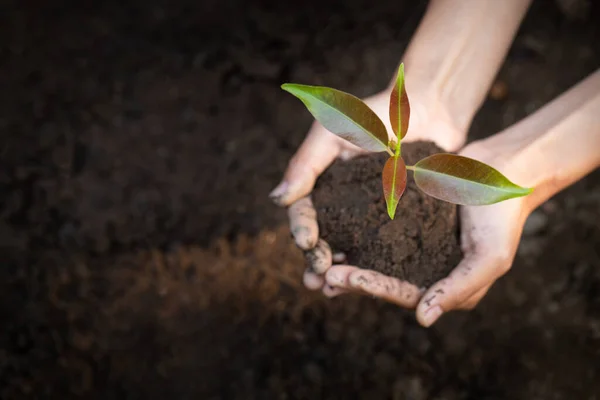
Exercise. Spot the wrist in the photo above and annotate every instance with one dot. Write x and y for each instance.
(457, 51)
(552, 148)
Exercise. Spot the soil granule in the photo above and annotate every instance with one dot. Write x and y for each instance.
(420, 245)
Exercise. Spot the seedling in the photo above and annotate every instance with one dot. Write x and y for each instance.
(449, 177)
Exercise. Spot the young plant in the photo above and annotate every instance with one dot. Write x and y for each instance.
(447, 177)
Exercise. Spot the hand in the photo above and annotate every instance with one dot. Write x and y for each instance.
(429, 122)
(532, 153)
(489, 240)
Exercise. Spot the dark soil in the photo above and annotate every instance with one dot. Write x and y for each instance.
(421, 245)
(140, 256)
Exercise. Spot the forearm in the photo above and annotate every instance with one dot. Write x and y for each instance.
(457, 51)
(553, 147)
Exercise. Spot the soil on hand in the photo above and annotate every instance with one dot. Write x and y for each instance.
(420, 245)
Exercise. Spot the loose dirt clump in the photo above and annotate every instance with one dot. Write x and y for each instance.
(420, 245)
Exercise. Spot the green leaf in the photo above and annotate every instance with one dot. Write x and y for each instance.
(464, 181)
(394, 182)
(399, 106)
(343, 114)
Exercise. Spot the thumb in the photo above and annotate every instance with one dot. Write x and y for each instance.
(475, 272)
(316, 153)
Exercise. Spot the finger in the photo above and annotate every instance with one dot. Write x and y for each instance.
(303, 223)
(331, 291)
(318, 259)
(475, 272)
(337, 276)
(336, 280)
(401, 293)
(339, 258)
(474, 299)
(316, 153)
(313, 281)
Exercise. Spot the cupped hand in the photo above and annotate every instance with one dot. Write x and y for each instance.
(490, 236)
(489, 239)
(429, 122)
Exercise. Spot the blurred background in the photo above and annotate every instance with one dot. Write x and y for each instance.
(140, 257)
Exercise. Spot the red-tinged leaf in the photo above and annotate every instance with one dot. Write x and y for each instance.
(343, 114)
(464, 181)
(399, 106)
(394, 182)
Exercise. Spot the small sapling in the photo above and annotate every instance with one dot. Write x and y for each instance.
(449, 177)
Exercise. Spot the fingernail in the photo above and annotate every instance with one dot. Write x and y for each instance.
(279, 192)
(431, 315)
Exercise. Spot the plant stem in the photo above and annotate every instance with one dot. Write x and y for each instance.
(411, 167)
(389, 151)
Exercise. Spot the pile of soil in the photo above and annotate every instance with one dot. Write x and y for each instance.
(421, 244)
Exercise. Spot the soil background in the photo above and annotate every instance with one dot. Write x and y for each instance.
(140, 255)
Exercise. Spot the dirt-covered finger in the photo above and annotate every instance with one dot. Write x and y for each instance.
(303, 223)
(319, 258)
(401, 293)
(474, 273)
(337, 276)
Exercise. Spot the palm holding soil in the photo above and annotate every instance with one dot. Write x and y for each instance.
(323, 274)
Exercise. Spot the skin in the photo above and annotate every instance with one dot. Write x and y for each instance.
(548, 151)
